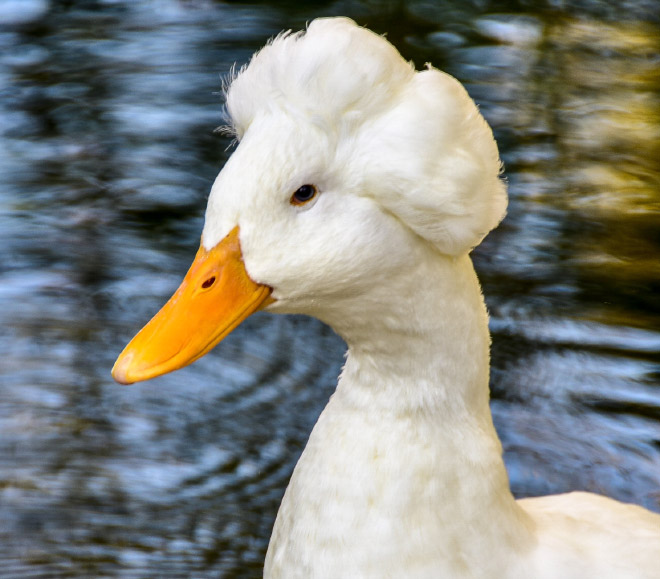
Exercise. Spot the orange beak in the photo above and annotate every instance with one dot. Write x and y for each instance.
(215, 296)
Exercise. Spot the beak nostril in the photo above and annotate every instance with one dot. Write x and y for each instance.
(209, 282)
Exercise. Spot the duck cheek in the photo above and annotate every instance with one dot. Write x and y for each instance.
(215, 296)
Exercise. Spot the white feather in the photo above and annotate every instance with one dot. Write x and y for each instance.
(403, 474)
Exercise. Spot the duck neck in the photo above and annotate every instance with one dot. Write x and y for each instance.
(406, 442)
(419, 358)
(420, 344)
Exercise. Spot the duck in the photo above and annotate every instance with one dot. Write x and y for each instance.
(356, 192)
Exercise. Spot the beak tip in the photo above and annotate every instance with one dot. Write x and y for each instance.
(120, 371)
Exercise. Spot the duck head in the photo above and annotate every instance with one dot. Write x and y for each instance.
(347, 161)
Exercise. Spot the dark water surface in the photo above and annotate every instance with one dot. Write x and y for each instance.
(107, 153)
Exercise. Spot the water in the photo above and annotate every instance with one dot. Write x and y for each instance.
(107, 153)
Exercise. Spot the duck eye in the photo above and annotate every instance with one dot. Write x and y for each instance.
(209, 282)
(303, 195)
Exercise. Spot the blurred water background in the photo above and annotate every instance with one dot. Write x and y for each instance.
(107, 154)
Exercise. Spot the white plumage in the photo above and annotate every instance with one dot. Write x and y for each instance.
(413, 140)
(403, 475)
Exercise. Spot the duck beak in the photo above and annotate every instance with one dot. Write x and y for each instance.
(215, 296)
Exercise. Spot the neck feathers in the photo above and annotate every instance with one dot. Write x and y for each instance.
(405, 443)
(423, 351)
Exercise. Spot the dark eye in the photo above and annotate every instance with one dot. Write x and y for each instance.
(303, 195)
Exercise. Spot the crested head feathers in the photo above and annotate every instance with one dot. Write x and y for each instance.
(426, 154)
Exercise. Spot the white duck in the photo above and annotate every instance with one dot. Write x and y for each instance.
(357, 190)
